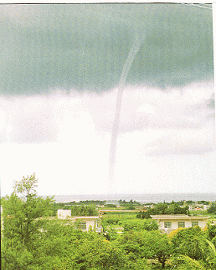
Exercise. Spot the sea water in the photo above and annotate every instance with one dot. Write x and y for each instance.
(142, 198)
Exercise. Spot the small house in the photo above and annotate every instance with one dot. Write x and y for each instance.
(81, 222)
(206, 207)
(86, 222)
(63, 214)
(168, 223)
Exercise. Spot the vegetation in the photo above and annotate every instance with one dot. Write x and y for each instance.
(23, 216)
(163, 209)
(212, 209)
(142, 244)
(76, 210)
(139, 225)
(33, 239)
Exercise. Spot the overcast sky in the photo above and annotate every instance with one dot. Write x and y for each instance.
(60, 71)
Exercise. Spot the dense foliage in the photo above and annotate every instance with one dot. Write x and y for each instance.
(163, 209)
(76, 210)
(32, 240)
(212, 209)
(142, 244)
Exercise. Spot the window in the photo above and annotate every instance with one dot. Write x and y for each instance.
(167, 224)
(181, 224)
(194, 223)
(81, 225)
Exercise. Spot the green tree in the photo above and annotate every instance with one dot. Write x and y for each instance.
(174, 209)
(165, 209)
(192, 243)
(159, 209)
(64, 247)
(211, 231)
(214, 241)
(83, 210)
(146, 245)
(157, 245)
(143, 215)
(23, 220)
(183, 262)
(139, 225)
(212, 208)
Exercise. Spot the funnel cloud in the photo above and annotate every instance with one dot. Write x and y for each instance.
(133, 51)
(98, 98)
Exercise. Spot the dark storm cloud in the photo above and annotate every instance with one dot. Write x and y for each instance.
(84, 46)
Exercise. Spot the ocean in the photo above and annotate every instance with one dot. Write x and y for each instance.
(142, 198)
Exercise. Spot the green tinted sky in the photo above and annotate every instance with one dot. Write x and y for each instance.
(84, 46)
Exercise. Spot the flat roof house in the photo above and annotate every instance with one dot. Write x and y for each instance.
(63, 214)
(86, 222)
(168, 223)
(81, 222)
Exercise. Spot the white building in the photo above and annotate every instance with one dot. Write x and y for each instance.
(83, 222)
(191, 208)
(63, 214)
(206, 207)
(86, 222)
(168, 223)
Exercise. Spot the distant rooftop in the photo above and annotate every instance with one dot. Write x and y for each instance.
(186, 217)
(84, 217)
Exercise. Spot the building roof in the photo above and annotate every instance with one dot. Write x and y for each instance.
(177, 217)
(119, 211)
(85, 217)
